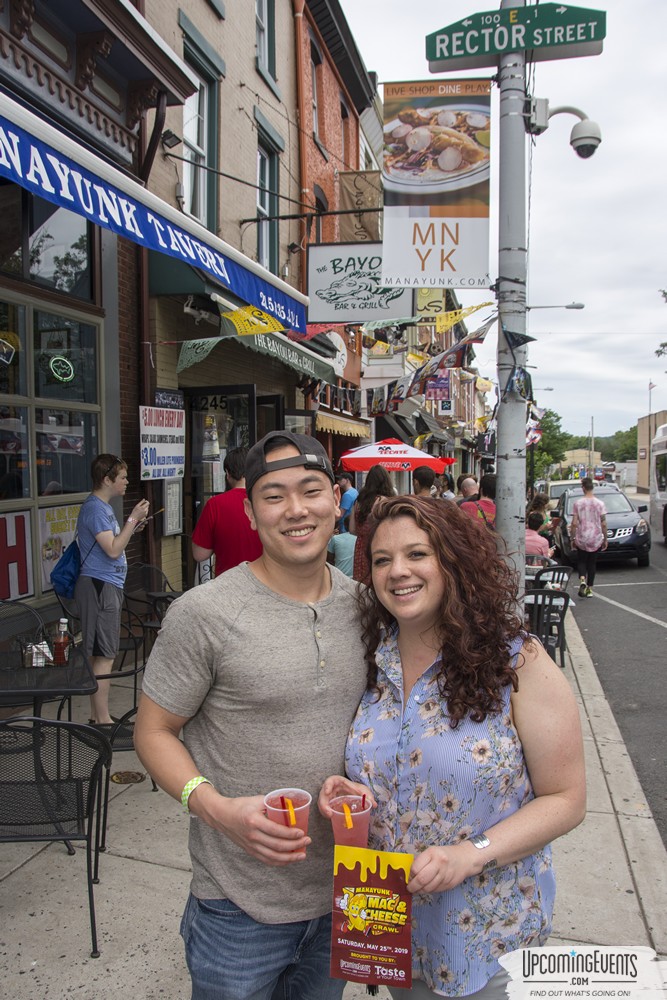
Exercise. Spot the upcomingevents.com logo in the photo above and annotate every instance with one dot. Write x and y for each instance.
(585, 972)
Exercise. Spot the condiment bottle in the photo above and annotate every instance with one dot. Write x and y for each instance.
(60, 644)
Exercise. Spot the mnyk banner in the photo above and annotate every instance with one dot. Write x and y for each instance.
(435, 173)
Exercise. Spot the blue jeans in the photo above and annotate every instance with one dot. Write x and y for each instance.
(233, 957)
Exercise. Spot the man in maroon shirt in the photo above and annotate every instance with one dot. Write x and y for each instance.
(485, 508)
(223, 527)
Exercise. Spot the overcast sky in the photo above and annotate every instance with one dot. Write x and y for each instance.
(598, 227)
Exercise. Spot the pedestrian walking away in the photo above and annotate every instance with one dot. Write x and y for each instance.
(348, 494)
(252, 669)
(484, 507)
(468, 737)
(588, 531)
(223, 527)
(467, 489)
(378, 484)
(423, 481)
(99, 589)
(341, 548)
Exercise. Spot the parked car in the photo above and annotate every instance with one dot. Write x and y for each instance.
(556, 488)
(628, 532)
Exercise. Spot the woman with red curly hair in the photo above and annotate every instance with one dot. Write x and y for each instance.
(468, 738)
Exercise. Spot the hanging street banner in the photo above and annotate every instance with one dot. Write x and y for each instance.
(437, 138)
(345, 285)
(548, 31)
(360, 194)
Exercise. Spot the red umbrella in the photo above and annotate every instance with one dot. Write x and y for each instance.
(393, 455)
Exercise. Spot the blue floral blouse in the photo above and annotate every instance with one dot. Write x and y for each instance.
(436, 785)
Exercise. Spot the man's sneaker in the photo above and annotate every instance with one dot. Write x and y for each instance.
(582, 589)
(589, 592)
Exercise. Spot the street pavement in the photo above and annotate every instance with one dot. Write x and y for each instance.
(611, 871)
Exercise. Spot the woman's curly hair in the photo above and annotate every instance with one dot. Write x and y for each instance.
(478, 617)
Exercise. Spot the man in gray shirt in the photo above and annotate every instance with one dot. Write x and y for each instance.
(251, 668)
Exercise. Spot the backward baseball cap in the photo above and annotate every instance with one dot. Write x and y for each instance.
(311, 456)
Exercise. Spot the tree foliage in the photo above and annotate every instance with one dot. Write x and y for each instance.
(552, 447)
(618, 447)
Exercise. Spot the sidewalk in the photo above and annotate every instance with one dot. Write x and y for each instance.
(612, 878)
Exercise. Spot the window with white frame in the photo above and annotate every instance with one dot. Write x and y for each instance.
(261, 33)
(195, 142)
(267, 204)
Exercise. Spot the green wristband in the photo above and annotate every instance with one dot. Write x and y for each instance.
(189, 789)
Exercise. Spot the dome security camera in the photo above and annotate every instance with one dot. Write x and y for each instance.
(585, 138)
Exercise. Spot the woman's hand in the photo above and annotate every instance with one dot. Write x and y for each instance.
(439, 868)
(336, 785)
(140, 512)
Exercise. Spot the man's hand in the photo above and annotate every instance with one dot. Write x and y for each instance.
(244, 821)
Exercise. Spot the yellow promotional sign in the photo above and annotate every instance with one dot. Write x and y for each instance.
(248, 321)
(447, 320)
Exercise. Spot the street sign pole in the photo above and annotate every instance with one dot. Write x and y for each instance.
(511, 291)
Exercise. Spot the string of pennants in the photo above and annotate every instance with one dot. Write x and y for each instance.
(424, 381)
(430, 379)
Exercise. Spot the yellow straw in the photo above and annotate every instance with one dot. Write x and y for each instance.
(348, 816)
(290, 810)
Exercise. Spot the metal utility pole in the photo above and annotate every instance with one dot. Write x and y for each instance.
(512, 275)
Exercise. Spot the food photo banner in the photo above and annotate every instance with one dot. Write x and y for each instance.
(436, 166)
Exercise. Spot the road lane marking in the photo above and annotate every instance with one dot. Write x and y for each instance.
(624, 607)
(634, 583)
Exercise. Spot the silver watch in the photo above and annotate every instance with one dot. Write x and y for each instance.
(480, 841)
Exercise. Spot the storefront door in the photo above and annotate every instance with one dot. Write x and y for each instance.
(220, 418)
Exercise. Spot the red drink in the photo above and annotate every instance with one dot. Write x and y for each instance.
(289, 807)
(350, 825)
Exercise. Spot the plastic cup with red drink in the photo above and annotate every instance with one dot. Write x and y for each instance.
(350, 820)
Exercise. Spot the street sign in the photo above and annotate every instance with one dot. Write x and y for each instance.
(549, 31)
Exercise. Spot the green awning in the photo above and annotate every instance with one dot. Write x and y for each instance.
(167, 276)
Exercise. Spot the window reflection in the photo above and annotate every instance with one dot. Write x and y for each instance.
(66, 445)
(14, 457)
(59, 249)
(11, 231)
(65, 358)
(12, 349)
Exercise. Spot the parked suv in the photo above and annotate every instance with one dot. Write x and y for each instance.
(556, 488)
(628, 533)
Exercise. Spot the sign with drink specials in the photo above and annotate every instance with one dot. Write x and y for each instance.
(548, 30)
(437, 138)
(162, 442)
(371, 940)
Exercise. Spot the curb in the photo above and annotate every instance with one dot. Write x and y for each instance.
(644, 850)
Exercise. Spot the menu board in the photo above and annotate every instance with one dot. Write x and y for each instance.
(172, 501)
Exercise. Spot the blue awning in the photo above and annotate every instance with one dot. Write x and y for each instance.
(53, 166)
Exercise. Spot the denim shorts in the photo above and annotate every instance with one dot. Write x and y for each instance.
(233, 957)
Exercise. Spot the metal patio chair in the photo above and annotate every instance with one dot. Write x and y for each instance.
(545, 618)
(557, 576)
(51, 789)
